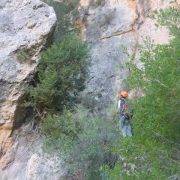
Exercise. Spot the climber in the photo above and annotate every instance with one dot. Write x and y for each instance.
(125, 114)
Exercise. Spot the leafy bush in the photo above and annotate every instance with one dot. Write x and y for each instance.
(60, 130)
(61, 73)
(62, 68)
(82, 140)
(154, 148)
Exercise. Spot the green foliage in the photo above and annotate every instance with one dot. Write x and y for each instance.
(23, 55)
(82, 140)
(155, 145)
(61, 73)
(172, 18)
(60, 130)
(62, 70)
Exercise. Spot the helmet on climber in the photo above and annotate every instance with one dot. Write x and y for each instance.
(123, 94)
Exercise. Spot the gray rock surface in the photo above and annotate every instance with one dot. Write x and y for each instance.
(110, 28)
(105, 24)
(26, 160)
(25, 26)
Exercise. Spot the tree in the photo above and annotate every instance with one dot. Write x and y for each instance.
(62, 72)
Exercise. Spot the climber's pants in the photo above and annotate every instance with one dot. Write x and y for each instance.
(125, 126)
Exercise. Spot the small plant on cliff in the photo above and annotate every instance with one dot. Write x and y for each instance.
(23, 55)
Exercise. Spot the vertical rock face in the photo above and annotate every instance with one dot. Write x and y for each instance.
(110, 27)
(25, 26)
(106, 31)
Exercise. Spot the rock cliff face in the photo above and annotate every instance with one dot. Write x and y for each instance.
(109, 27)
(25, 26)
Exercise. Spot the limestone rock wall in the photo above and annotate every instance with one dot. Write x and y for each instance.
(25, 26)
(110, 26)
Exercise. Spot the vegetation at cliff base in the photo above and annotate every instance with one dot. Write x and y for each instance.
(82, 140)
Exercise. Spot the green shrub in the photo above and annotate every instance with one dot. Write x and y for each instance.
(82, 140)
(62, 72)
(62, 68)
(60, 130)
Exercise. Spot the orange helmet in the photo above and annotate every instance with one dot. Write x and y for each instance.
(124, 94)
